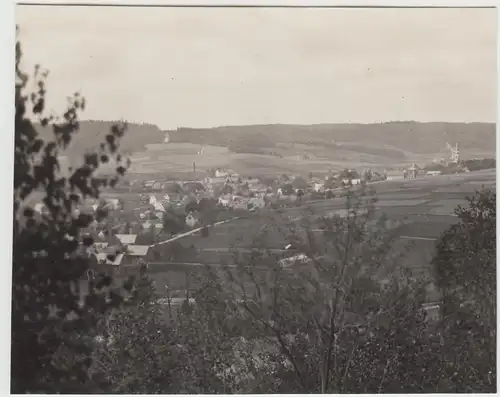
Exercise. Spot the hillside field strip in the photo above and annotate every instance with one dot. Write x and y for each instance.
(167, 158)
(427, 211)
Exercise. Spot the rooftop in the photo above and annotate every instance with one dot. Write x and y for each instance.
(127, 238)
(137, 250)
(103, 257)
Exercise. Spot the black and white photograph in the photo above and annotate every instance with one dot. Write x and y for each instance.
(253, 200)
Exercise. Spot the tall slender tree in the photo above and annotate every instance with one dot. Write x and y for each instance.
(49, 255)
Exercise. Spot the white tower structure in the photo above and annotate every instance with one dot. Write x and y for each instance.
(454, 152)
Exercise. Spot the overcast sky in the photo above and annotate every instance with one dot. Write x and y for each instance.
(202, 67)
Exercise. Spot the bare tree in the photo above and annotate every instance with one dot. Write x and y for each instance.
(341, 289)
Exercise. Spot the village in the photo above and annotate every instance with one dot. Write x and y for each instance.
(143, 217)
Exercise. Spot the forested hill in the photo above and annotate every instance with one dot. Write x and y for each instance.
(406, 136)
(92, 134)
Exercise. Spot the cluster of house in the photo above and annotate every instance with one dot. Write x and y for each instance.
(117, 253)
(241, 202)
(348, 177)
(235, 191)
(319, 185)
(414, 171)
(160, 204)
(252, 193)
(231, 190)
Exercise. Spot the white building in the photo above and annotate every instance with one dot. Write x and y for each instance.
(191, 220)
(319, 187)
(221, 173)
(225, 201)
(300, 258)
(434, 173)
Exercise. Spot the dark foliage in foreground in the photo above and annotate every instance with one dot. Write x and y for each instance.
(49, 259)
(466, 274)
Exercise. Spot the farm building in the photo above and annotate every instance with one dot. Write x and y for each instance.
(394, 175)
(433, 173)
(412, 172)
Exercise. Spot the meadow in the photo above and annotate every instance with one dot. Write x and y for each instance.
(178, 159)
(277, 149)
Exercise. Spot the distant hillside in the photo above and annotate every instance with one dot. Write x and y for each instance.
(412, 137)
(92, 134)
(392, 140)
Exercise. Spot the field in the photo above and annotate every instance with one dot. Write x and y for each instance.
(178, 159)
(276, 149)
(426, 206)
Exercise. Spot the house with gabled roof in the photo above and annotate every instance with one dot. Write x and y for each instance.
(135, 256)
(126, 238)
(136, 250)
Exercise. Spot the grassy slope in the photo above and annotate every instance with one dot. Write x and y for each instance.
(403, 136)
(326, 145)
